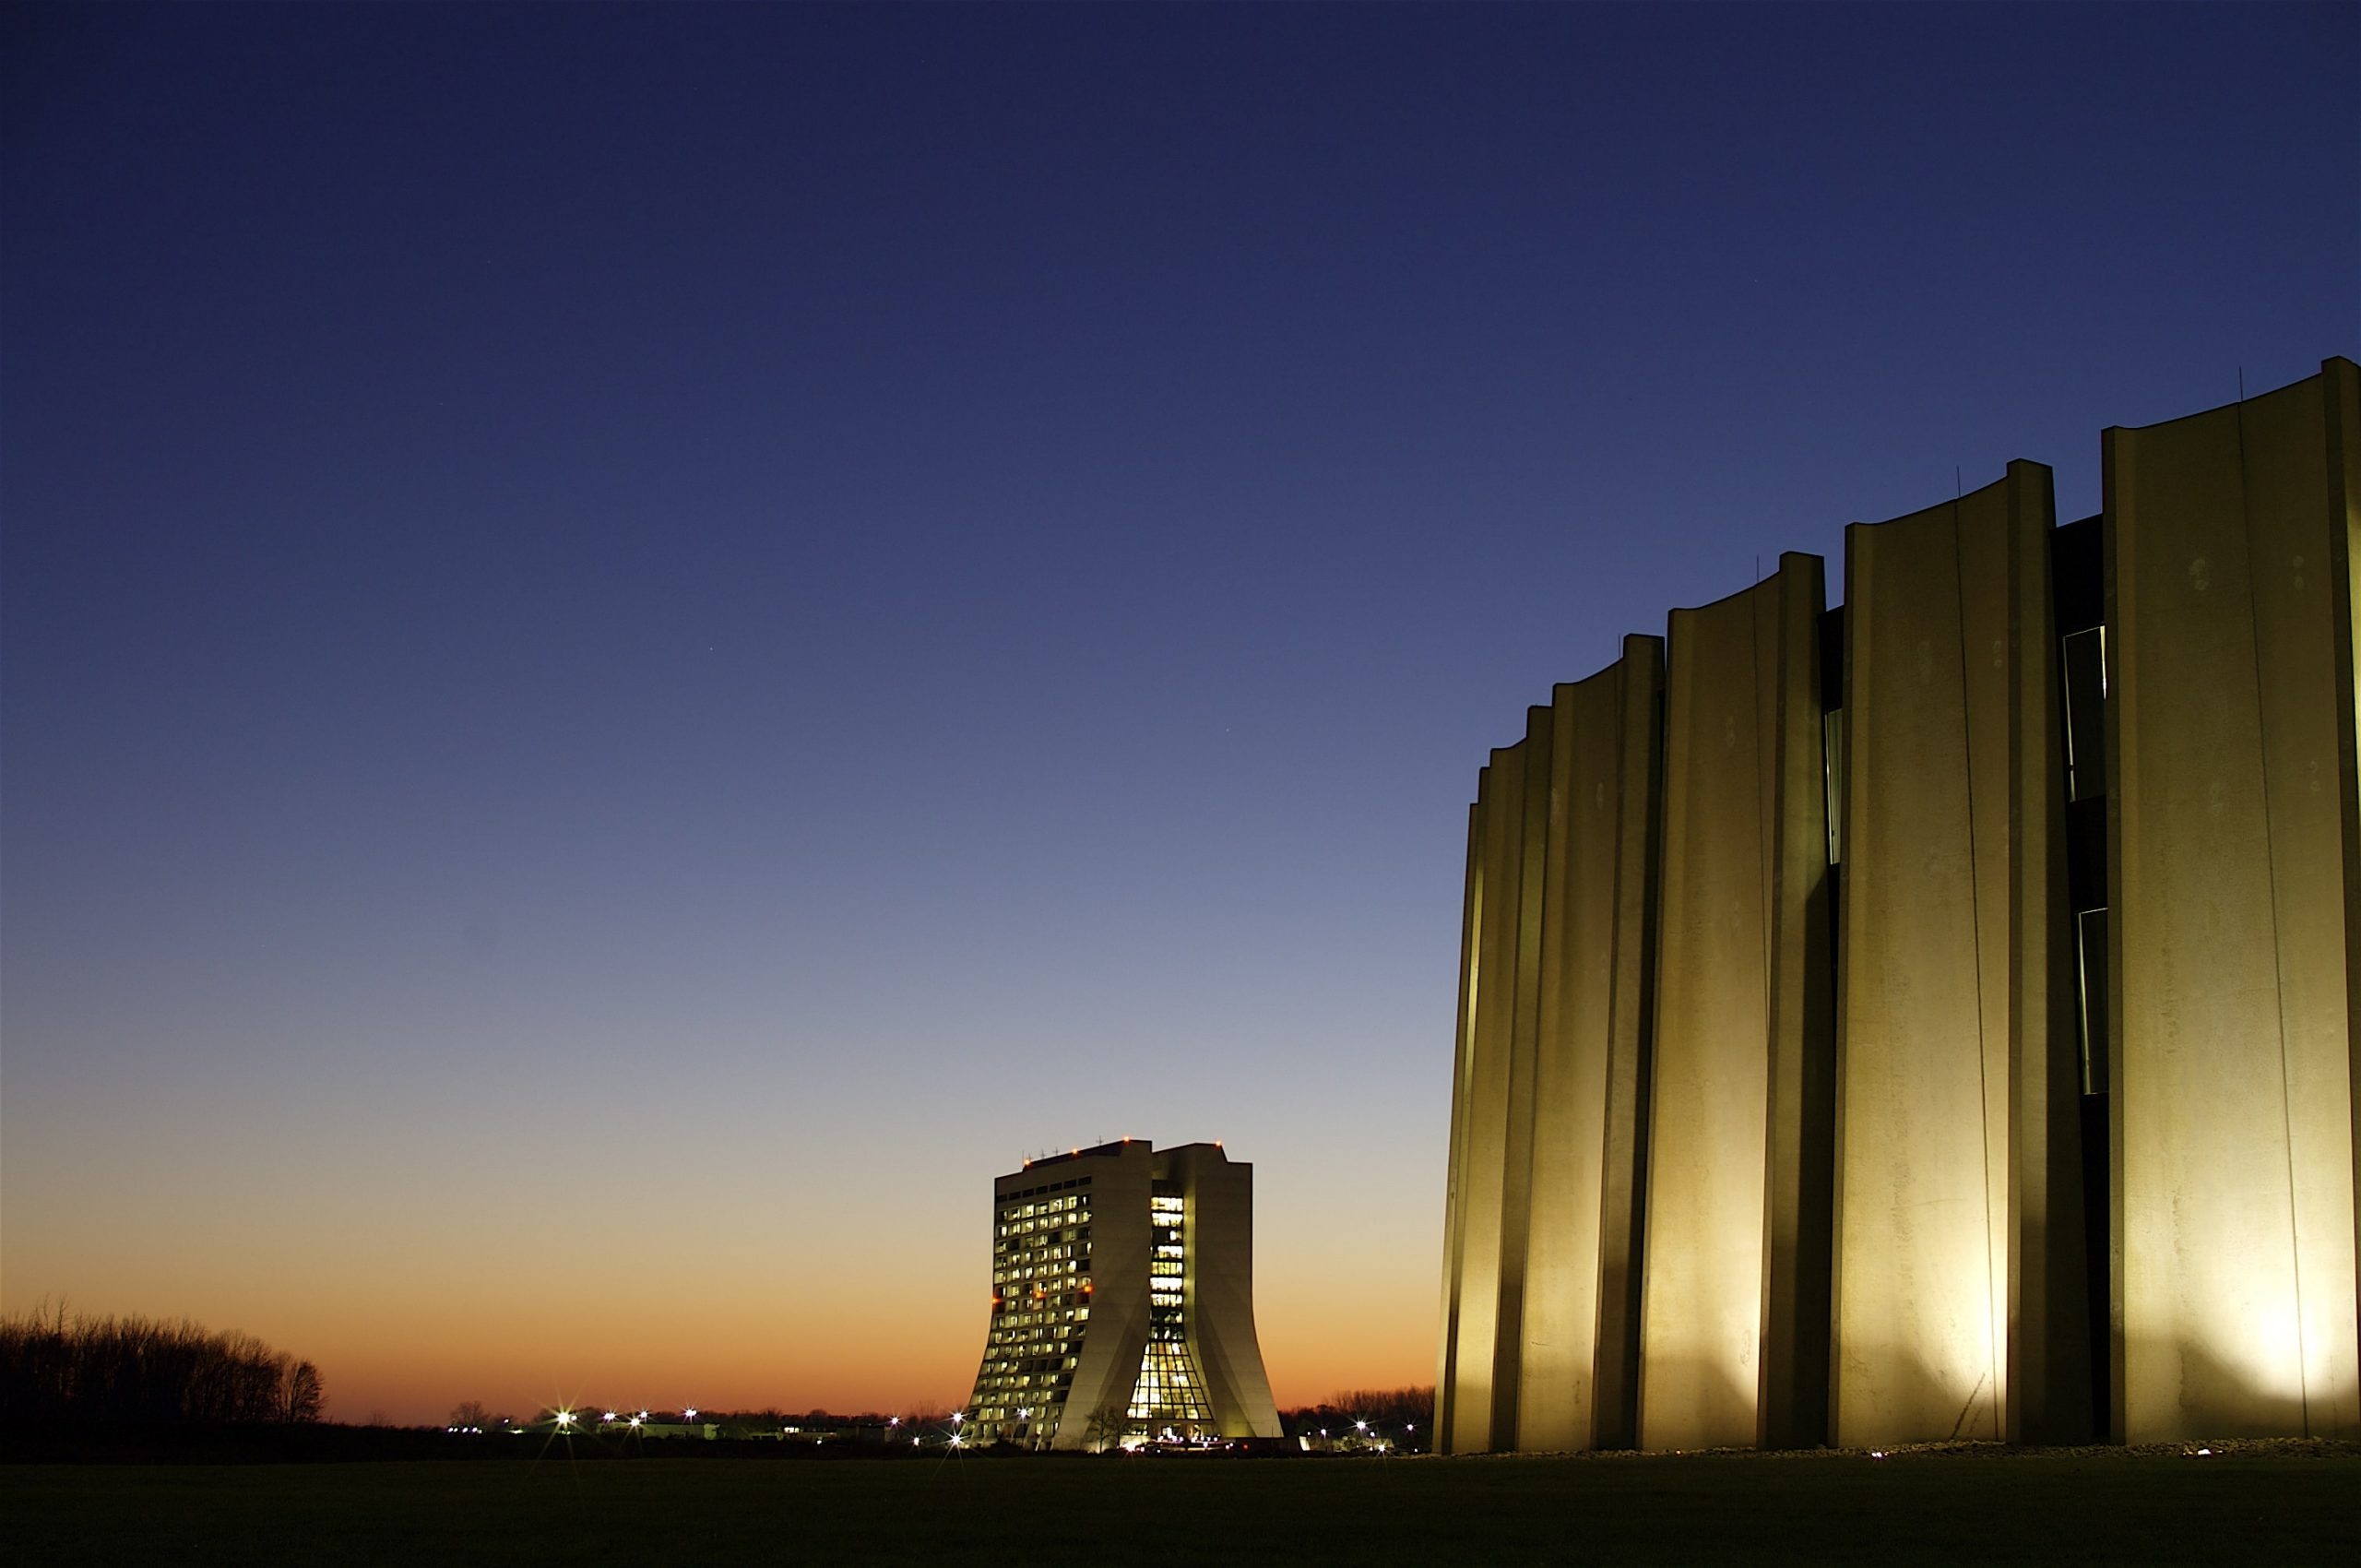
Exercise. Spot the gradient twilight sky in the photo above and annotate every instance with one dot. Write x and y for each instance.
(641, 645)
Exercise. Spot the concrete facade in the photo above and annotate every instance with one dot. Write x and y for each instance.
(1931, 1019)
(2232, 862)
(1122, 1303)
(1953, 842)
(1734, 1300)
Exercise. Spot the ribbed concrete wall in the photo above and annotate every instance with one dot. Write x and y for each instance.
(1560, 1323)
(2046, 1362)
(1488, 1226)
(1598, 864)
(1455, 1193)
(1733, 1324)
(1631, 1040)
(2231, 887)
(1466, 1421)
(1523, 978)
(1952, 710)
(1645, 1236)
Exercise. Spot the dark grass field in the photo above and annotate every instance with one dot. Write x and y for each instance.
(2067, 1508)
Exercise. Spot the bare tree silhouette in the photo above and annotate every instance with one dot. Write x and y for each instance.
(54, 1366)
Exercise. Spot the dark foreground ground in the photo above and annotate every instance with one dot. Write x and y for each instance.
(2290, 1506)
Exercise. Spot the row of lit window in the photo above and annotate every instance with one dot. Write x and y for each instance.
(1045, 1334)
(1027, 1349)
(1009, 1333)
(1020, 1382)
(1042, 1229)
(1036, 1325)
(1002, 1349)
(1011, 1224)
(1030, 1366)
(1042, 1399)
(1017, 1317)
(1070, 1203)
(1014, 1358)
(1039, 1252)
(1041, 1268)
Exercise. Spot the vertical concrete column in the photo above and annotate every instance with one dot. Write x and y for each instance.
(1523, 1044)
(1220, 1286)
(2047, 1368)
(1630, 1026)
(1577, 962)
(1798, 1174)
(1462, 1099)
(1486, 1143)
(1733, 1321)
(2229, 539)
(1939, 806)
(2341, 393)
(1108, 1367)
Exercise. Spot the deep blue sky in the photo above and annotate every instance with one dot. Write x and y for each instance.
(648, 642)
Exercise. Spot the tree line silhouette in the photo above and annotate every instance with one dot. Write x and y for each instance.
(54, 1367)
(1403, 1417)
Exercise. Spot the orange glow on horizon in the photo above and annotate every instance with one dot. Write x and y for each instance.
(409, 1356)
(416, 1290)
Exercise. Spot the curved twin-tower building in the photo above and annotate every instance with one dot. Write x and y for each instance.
(1933, 1017)
(1122, 1303)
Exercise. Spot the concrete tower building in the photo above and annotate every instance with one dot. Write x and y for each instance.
(1122, 1302)
(1933, 1017)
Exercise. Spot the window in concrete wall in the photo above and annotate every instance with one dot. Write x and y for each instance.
(1040, 1277)
(2090, 979)
(2082, 660)
(1832, 773)
(1170, 1393)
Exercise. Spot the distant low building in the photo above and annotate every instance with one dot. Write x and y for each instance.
(1122, 1303)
